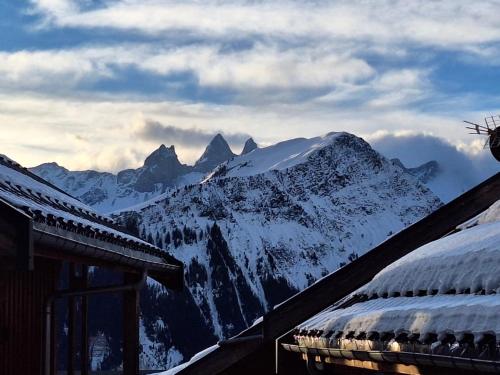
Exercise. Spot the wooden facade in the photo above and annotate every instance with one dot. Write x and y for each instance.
(22, 297)
(45, 236)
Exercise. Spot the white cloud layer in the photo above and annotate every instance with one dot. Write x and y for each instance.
(459, 170)
(261, 67)
(447, 24)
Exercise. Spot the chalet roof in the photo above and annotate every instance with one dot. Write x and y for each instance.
(337, 288)
(59, 219)
(449, 286)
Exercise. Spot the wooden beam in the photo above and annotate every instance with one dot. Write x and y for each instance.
(20, 227)
(347, 279)
(72, 281)
(131, 327)
(84, 347)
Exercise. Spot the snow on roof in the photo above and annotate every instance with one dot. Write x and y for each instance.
(469, 259)
(195, 358)
(48, 205)
(456, 314)
(454, 284)
(491, 215)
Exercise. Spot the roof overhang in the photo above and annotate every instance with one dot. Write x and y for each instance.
(21, 239)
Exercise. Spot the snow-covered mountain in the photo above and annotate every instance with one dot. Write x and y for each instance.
(263, 226)
(251, 229)
(161, 171)
(425, 173)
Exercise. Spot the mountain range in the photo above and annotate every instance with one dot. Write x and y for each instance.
(161, 171)
(251, 229)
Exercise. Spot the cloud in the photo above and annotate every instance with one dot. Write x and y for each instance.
(111, 122)
(397, 88)
(276, 70)
(189, 137)
(45, 68)
(451, 24)
(262, 67)
(460, 170)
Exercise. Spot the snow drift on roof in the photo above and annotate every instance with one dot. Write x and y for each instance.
(469, 259)
(456, 314)
(491, 215)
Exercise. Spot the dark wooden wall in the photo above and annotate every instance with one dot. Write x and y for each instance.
(22, 299)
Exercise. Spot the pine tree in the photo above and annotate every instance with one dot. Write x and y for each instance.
(150, 239)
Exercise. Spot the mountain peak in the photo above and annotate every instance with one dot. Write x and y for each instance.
(159, 155)
(161, 167)
(424, 173)
(47, 169)
(250, 145)
(217, 152)
(219, 142)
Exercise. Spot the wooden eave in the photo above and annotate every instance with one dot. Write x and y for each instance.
(22, 238)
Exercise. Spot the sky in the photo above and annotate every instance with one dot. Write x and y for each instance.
(101, 83)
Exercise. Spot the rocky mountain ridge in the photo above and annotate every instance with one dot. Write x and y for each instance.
(161, 171)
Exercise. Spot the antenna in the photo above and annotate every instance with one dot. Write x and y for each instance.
(491, 129)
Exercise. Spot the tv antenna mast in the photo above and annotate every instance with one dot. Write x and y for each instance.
(491, 129)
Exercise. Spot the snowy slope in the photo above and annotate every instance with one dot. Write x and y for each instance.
(277, 157)
(101, 190)
(267, 224)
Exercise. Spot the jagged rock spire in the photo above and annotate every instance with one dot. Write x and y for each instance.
(217, 152)
(250, 145)
(162, 166)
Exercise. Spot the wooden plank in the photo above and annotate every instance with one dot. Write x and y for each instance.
(131, 327)
(337, 285)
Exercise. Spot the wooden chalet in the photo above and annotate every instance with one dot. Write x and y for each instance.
(44, 231)
(286, 342)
